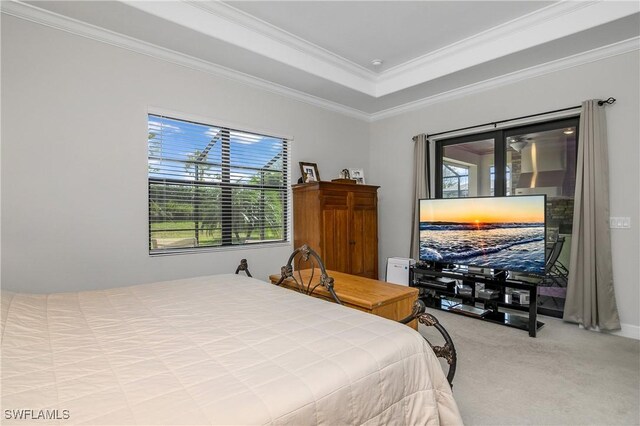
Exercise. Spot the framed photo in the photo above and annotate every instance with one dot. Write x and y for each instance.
(309, 172)
(358, 175)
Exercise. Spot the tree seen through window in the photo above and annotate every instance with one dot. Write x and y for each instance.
(214, 186)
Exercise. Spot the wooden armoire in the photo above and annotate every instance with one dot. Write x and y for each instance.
(340, 222)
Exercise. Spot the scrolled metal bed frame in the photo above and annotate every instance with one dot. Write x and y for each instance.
(306, 258)
(244, 266)
(446, 351)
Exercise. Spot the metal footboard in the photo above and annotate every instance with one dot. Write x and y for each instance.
(446, 351)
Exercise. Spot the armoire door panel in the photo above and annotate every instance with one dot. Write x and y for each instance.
(357, 243)
(335, 248)
(364, 240)
(370, 243)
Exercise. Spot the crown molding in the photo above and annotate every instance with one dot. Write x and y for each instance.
(64, 23)
(549, 23)
(53, 20)
(246, 20)
(222, 21)
(205, 19)
(594, 55)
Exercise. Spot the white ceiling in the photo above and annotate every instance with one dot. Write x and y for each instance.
(394, 31)
(321, 51)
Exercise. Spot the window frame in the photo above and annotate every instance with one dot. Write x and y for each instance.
(500, 148)
(442, 143)
(492, 179)
(227, 243)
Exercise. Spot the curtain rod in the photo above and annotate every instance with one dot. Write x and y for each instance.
(608, 101)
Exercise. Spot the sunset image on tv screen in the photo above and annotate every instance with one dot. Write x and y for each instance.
(506, 233)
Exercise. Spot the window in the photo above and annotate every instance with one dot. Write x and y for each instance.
(472, 157)
(212, 186)
(455, 180)
(532, 159)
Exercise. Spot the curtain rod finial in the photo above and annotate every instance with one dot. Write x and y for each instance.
(609, 101)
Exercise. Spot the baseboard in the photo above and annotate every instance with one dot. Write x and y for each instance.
(626, 330)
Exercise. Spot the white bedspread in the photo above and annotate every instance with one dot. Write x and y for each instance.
(222, 349)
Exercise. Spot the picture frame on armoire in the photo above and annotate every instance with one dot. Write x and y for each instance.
(309, 172)
(358, 175)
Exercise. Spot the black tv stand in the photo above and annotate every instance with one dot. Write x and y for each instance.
(478, 294)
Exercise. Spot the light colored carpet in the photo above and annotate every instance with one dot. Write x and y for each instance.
(565, 376)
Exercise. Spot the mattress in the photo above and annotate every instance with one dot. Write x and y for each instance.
(222, 349)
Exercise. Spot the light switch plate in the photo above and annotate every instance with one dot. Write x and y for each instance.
(619, 222)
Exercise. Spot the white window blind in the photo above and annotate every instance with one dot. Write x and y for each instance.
(212, 186)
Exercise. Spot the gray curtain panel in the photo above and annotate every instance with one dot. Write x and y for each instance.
(591, 299)
(420, 187)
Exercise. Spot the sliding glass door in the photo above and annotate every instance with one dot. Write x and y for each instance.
(533, 159)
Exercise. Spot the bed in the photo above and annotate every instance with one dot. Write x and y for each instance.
(223, 349)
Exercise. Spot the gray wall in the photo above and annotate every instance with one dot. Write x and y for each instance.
(391, 154)
(74, 158)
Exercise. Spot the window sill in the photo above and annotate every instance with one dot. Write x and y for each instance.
(239, 247)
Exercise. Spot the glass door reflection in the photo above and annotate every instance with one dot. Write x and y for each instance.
(468, 169)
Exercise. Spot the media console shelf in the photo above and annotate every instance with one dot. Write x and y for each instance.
(478, 295)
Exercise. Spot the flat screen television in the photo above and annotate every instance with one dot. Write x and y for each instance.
(500, 233)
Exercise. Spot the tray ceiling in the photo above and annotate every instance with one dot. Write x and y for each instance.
(321, 51)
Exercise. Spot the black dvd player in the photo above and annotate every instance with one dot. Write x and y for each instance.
(439, 283)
